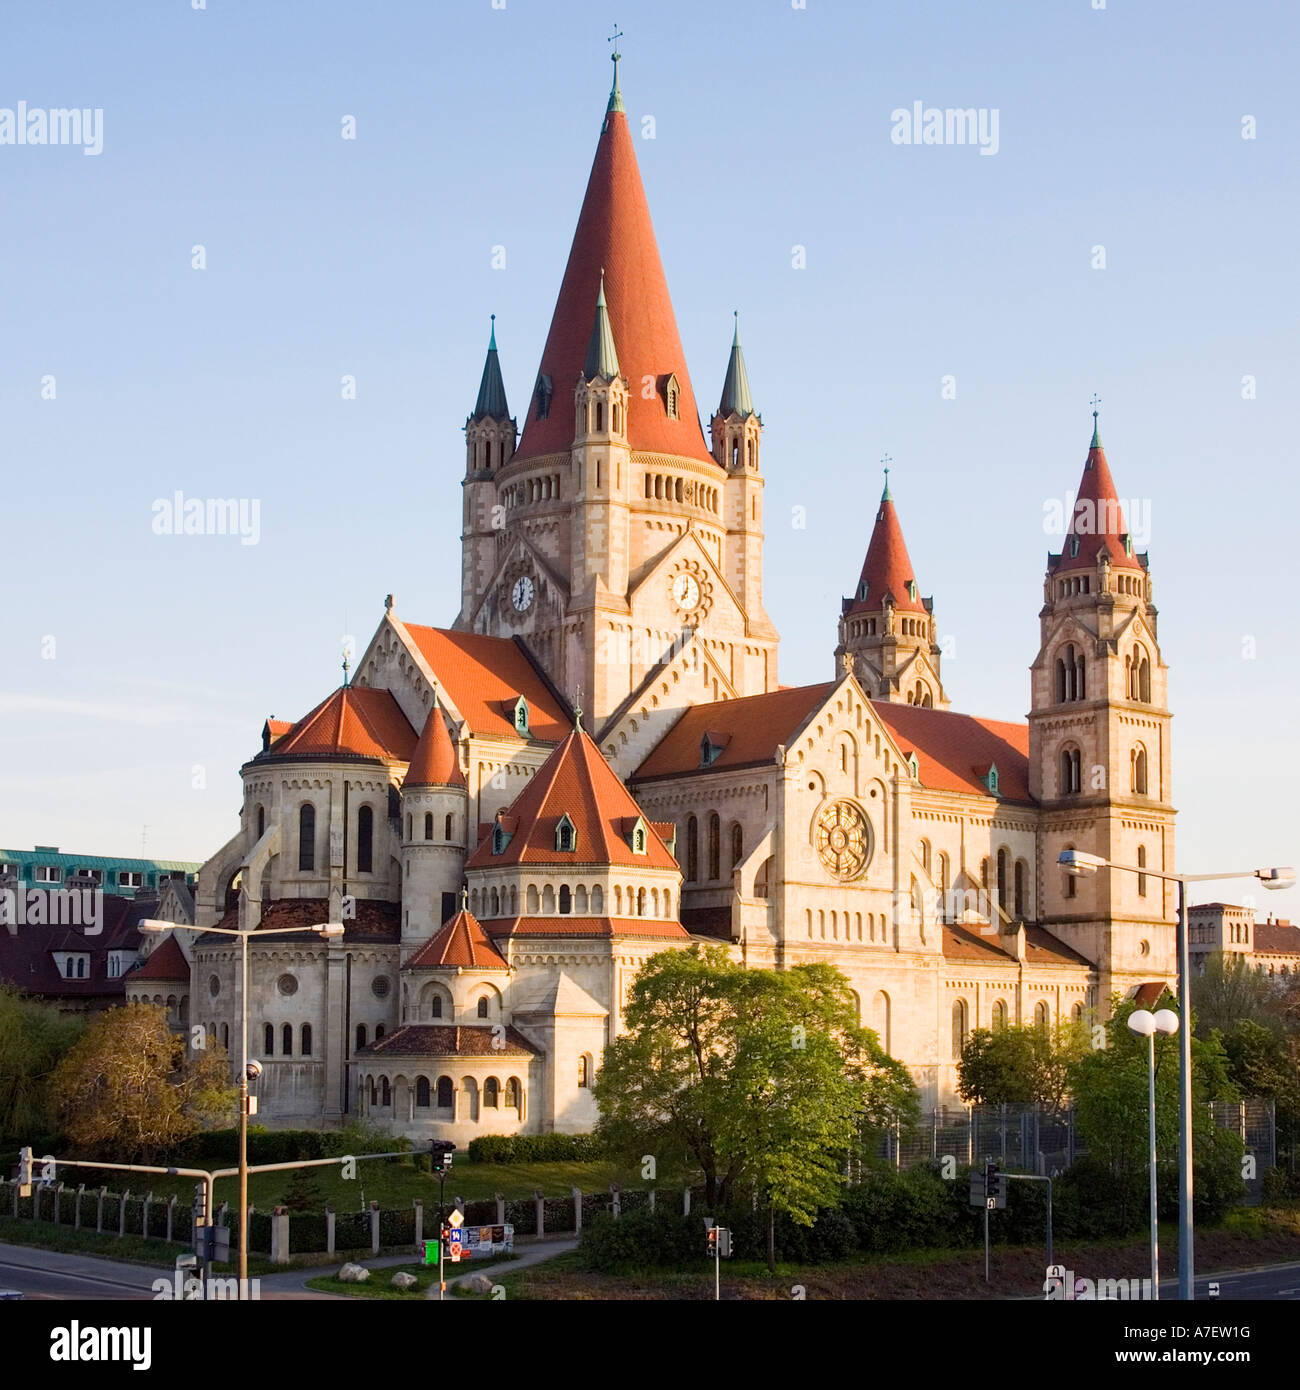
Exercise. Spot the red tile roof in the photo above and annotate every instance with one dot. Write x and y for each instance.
(1097, 519)
(375, 920)
(1041, 947)
(166, 962)
(954, 751)
(459, 942)
(480, 674)
(752, 726)
(435, 763)
(1146, 995)
(615, 234)
(1281, 936)
(446, 1040)
(887, 568)
(575, 781)
(354, 720)
(586, 926)
(26, 951)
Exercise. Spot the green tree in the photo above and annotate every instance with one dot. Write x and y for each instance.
(127, 1090)
(304, 1193)
(763, 1077)
(1228, 991)
(33, 1036)
(1021, 1065)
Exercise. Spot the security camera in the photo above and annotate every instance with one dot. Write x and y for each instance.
(253, 1070)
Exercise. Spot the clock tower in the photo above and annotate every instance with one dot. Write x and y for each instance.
(615, 539)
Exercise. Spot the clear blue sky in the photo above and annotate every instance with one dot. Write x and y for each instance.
(476, 127)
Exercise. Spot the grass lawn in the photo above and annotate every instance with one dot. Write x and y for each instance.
(391, 1184)
(378, 1285)
(1250, 1236)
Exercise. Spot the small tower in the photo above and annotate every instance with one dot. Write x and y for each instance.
(601, 467)
(490, 434)
(886, 626)
(736, 430)
(435, 803)
(1099, 743)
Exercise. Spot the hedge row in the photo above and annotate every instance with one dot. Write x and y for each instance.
(534, 1148)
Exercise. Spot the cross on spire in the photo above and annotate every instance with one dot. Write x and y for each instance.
(887, 496)
(615, 96)
(1096, 436)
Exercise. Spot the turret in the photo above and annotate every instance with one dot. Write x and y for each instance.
(435, 803)
(886, 627)
(490, 434)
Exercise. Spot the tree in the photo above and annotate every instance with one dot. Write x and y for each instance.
(33, 1036)
(304, 1192)
(1228, 991)
(127, 1089)
(1021, 1065)
(763, 1077)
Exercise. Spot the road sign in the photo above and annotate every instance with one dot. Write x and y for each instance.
(455, 1219)
(456, 1237)
(455, 1254)
(431, 1252)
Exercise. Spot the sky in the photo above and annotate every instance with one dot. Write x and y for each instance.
(181, 309)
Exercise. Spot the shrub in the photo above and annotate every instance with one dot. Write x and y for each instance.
(533, 1148)
(642, 1240)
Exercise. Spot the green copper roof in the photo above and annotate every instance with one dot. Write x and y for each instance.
(736, 399)
(491, 403)
(602, 356)
(615, 95)
(886, 496)
(1096, 435)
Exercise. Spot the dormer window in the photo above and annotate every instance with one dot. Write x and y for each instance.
(566, 835)
(712, 747)
(1074, 546)
(637, 838)
(501, 837)
(913, 766)
(991, 779)
(911, 590)
(1128, 545)
(672, 396)
(862, 592)
(519, 716)
(543, 396)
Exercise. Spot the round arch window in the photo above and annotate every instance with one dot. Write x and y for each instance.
(380, 986)
(214, 986)
(843, 838)
(287, 984)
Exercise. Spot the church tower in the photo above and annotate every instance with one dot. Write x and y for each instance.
(886, 627)
(1099, 744)
(435, 802)
(490, 435)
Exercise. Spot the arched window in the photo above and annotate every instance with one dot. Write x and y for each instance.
(715, 846)
(737, 844)
(483, 1006)
(1022, 886)
(512, 1093)
(1041, 1019)
(640, 902)
(692, 850)
(1070, 771)
(566, 899)
(447, 827)
(1142, 878)
(304, 1046)
(361, 1036)
(584, 1071)
(422, 1092)
(1004, 886)
(1071, 883)
(444, 1093)
(492, 1093)
(386, 1096)
(428, 825)
(306, 837)
(365, 840)
(1138, 770)
(880, 1018)
(379, 1031)
(261, 821)
(435, 1006)
(286, 1037)
(999, 1014)
(958, 1027)
(1076, 1013)
(268, 1040)
(925, 856)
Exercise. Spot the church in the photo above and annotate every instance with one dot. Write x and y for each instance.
(595, 760)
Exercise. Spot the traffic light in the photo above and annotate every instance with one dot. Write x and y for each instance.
(995, 1185)
(713, 1242)
(440, 1151)
(724, 1242)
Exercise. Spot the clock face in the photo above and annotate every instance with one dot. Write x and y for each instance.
(522, 594)
(686, 592)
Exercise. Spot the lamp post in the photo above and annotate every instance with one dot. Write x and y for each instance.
(1080, 864)
(1146, 1025)
(325, 929)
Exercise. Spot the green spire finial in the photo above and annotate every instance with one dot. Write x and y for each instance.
(492, 342)
(886, 496)
(736, 398)
(615, 96)
(735, 339)
(1096, 436)
(602, 355)
(491, 403)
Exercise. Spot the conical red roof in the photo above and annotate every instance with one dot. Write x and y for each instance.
(355, 720)
(887, 568)
(460, 942)
(435, 763)
(615, 234)
(1097, 519)
(575, 781)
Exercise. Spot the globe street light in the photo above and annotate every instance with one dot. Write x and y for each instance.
(1147, 1025)
(325, 929)
(1080, 864)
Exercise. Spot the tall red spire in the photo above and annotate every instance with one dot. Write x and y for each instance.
(615, 234)
(1097, 518)
(888, 567)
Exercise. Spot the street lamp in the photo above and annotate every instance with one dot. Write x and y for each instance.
(325, 929)
(1081, 864)
(1146, 1025)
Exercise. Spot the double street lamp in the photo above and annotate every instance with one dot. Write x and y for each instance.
(325, 929)
(1146, 1025)
(1080, 864)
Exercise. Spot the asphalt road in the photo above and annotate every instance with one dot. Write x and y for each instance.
(1271, 1284)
